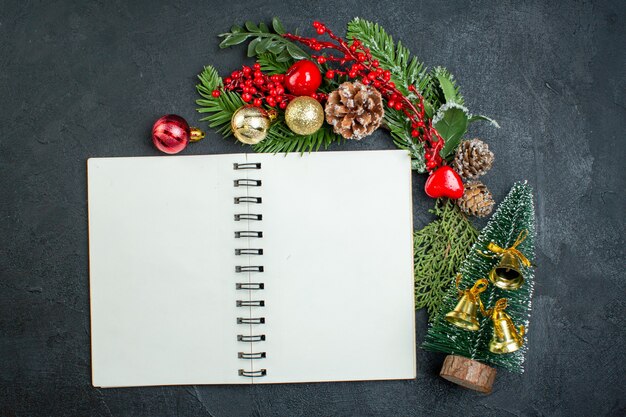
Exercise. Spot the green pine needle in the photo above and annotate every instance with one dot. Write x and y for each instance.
(514, 215)
(439, 249)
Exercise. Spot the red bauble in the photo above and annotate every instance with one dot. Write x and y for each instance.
(444, 182)
(303, 78)
(170, 134)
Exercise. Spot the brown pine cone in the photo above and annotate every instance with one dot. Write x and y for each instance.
(473, 159)
(354, 110)
(477, 200)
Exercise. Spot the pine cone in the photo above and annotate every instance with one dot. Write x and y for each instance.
(477, 200)
(354, 110)
(473, 159)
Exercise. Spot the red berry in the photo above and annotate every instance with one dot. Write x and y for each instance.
(283, 105)
(321, 60)
(415, 133)
(376, 83)
(365, 80)
(391, 103)
(256, 66)
(352, 74)
(391, 84)
(316, 24)
(397, 105)
(246, 70)
(321, 30)
(371, 75)
(246, 97)
(360, 57)
(280, 90)
(271, 101)
(353, 48)
(215, 93)
(375, 63)
(257, 102)
(228, 80)
(316, 47)
(314, 95)
(330, 74)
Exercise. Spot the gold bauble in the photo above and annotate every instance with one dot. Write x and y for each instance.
(304, 115)
(250, 124)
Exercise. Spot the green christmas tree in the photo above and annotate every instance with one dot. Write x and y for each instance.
(439, 249)
(512, 222)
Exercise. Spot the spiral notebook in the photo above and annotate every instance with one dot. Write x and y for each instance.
(251, 268)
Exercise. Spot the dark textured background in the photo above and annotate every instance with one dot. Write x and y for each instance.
(84, 79)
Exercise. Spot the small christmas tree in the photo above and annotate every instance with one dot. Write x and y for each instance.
(511, 228)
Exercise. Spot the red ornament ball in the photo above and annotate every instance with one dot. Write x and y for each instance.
(170, 134)
(303, 78)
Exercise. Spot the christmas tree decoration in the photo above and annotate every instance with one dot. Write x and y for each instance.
(444, 182)
(250, 124)
(515, 215)
(508, 274)
(423, 109)
(304, 115)
(170, 134)
(506, 338)
(476, 200)
(303, 78)
(438, 250)
(354, 110)
(464, 314)
(473, 159)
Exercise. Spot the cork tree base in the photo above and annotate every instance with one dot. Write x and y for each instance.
(468, 373)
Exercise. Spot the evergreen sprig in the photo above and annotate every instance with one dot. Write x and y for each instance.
(439, 249)
(281, 139)
(514, 215)
(264, 39)
(405, 70)
(220, 109)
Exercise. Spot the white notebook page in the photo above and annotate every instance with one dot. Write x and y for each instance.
(337, 257)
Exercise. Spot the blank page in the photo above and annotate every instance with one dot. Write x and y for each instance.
(338, 275)
(162, 275)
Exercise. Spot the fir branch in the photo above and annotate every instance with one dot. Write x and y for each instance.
(270, 64)
(264, 39)
(281, 139)
(220, 109)
(514, 215)
(439, 248)
(443, 88)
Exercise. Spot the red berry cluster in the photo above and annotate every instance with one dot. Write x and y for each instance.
(355, 61)
(256, 87)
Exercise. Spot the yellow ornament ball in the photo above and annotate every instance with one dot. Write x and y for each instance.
(250, 124)
(304, 115)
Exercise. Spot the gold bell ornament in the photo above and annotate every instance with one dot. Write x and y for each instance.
(250, 124)
(464, 314)
(506, 338)
(508, 274)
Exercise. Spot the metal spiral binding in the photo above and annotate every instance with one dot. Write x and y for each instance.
(253, 374)
(249, 286)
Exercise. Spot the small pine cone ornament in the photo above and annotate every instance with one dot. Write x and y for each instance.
(354, 110)
(477, 200)
(473, 159)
